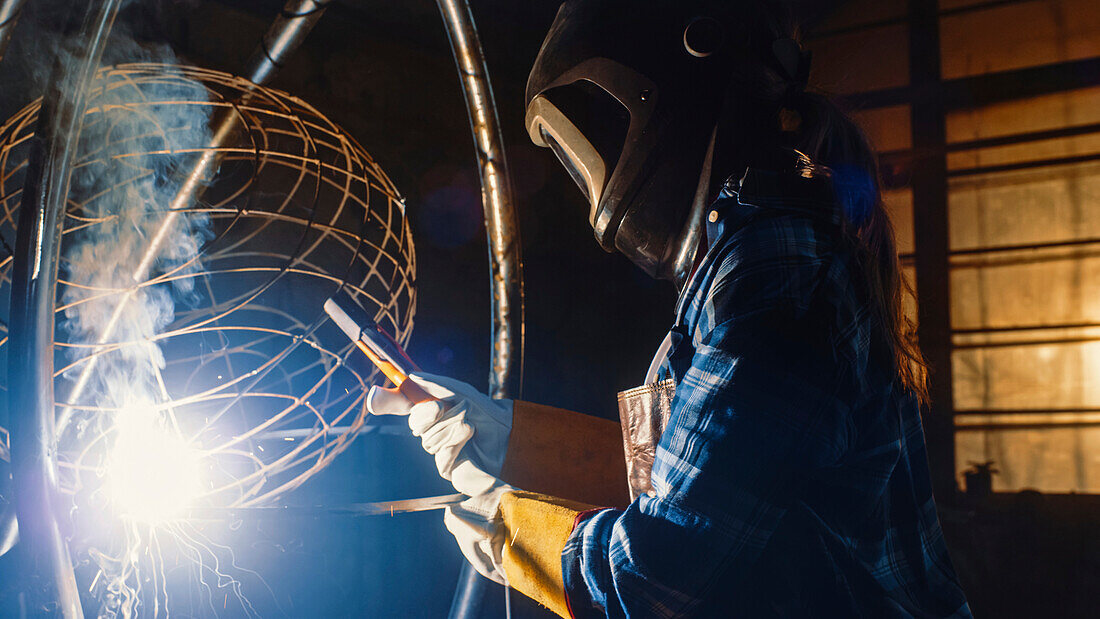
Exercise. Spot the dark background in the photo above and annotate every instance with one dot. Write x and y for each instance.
(382, 70)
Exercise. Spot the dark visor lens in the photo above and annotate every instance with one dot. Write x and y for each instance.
(597, 115)
(566, 161)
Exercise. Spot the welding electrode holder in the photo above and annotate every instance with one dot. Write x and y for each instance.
(380, 347)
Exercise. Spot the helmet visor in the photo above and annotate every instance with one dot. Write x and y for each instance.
(586, 128)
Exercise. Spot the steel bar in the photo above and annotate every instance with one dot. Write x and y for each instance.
(33, 291)
(376, 508)
(501, 221)
(373, 426)
(501, 224)
(283, 38)
(9, 15)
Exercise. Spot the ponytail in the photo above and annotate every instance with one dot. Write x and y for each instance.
(831, 138)
(767, 105)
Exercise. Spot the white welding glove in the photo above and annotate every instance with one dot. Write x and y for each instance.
(467, 433)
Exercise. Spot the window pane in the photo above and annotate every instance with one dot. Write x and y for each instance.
(1018, 35)
(1043, 205)
(859, 61)
(899, 206)
(887, 127)
(1037, 377)
(1026, 289)
(1061, 459)
(1055, 111)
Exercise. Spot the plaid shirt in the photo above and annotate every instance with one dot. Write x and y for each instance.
(792, 478)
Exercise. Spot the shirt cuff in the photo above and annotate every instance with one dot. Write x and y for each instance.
(585, 563)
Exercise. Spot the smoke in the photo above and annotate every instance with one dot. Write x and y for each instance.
(137, 145)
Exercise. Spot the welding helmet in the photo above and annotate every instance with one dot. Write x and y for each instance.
(627, 94)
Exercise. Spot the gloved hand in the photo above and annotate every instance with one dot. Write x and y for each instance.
(467, 433)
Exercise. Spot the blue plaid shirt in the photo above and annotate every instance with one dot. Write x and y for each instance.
(792, 479)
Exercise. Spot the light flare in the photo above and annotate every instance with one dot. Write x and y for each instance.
(153, 475)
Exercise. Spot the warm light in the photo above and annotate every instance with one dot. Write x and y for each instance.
(153, 475)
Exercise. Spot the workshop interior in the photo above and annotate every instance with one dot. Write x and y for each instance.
(225, 221)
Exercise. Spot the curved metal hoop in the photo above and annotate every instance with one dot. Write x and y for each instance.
(501, 223)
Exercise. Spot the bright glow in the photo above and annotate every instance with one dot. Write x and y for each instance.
(152, 473)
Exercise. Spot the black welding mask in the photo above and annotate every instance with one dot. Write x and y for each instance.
(627, 94)
(629, 110)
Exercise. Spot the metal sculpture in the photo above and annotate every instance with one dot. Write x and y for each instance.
(243, 112)
(297, 211)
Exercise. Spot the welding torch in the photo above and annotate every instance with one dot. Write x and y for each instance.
(380, 347)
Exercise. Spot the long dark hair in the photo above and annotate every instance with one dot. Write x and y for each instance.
(814, 125)
(827, 135)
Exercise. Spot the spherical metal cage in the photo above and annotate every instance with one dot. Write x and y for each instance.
(224, 325)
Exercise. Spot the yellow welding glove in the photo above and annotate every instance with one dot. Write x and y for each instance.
(536, 528)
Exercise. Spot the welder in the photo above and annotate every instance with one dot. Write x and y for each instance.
(774, 454)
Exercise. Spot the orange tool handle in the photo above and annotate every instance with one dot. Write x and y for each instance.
(413, 392)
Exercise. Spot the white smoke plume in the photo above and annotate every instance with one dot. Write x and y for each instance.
(137, 145)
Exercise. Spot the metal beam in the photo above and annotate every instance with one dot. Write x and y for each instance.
(930, 229)
(987, 89)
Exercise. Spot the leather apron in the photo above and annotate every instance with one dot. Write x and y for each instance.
(644, 412)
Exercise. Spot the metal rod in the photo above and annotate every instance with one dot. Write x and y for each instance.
(33, 291)
(401, 428)
(501, 224)
(9, 15)
(283, 38)
(376, 508)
